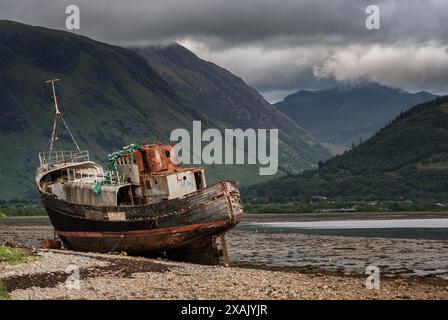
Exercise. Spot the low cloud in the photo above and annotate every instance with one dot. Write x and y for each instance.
(268, 69)
(413, 67)
(275, 45)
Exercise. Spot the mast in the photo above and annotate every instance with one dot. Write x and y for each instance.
(58, 117)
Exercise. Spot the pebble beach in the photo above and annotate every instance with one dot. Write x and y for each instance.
(263, 266)
(115, 277)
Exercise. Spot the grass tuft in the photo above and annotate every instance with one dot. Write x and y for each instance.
(13, 255)
(4, 294)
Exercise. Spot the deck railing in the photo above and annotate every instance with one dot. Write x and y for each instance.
(106, 177)
(56, 157)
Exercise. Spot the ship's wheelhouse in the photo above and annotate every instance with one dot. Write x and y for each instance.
(155, 174)
(144, 174)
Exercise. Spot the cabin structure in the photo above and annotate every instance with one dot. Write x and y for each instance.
(138, 174)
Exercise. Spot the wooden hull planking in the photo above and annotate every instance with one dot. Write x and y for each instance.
(184, 229)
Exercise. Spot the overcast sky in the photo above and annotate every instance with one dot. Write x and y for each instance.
(278, 46)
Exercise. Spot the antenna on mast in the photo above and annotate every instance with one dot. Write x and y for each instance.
(58, 116)
(55, 100)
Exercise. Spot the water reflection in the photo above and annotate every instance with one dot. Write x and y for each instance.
(436, 229)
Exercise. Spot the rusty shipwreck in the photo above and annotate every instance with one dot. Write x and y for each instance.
(145, 203)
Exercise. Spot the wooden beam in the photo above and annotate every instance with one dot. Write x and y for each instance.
(224, 250)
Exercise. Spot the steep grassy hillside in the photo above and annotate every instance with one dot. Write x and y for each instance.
(110, 97)
(408, 159)
(227, 100)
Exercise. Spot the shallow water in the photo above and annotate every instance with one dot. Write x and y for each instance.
(436, 229)
(355, 224)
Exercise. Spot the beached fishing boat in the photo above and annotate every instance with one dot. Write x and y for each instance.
(145, 203)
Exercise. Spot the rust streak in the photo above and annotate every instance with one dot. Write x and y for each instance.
(139, 233)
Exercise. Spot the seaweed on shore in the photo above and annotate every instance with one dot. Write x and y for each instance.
(117, 267)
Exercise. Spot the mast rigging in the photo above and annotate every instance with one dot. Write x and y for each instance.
(58, 117)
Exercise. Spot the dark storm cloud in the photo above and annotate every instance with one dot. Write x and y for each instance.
(236, 22)
(274, 44)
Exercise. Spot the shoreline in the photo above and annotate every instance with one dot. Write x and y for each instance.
(334, 216)
(328, 267)
(312, 216)
(432, 281)
(105, 276)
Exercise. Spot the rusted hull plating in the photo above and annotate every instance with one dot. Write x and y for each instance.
(184, 229)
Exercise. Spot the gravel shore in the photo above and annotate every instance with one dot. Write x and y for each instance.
(265, 266)
(337, 254)
(311, 253)
(105, 276)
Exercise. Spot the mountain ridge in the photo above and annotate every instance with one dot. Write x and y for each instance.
(110, 97)
(343, 115)
(406, 160)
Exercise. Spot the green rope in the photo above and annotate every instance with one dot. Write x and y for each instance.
(112, 164)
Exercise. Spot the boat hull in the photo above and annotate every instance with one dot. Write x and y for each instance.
(184, 229)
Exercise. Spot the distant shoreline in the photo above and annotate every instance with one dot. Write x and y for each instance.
(25, 217)
(273, 217)
(327, 216)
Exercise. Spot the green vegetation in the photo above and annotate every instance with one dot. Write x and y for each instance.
(111, 96)
(13, 255)
(26, 211)
(2, 215)
(4, 294)
(10, 255)
(407, 160)
(345, 206)
(220, 95)
(18, 208)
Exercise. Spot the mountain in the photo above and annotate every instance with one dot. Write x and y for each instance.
(229, 102)
(408, 159)
(112, 96)
(341, 116)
